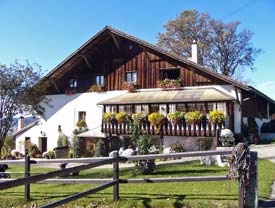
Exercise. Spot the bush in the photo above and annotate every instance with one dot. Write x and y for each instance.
(100, 149)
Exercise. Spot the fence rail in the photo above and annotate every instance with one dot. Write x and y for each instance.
(115, 181)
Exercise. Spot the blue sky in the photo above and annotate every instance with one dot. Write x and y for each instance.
(46, 32)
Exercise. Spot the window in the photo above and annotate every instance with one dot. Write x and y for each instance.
(73, 83)
(82, 115)
(154, 108)
(130, 77)
(173, 73)
(181, 107)
(141, 108)
(99, 79)
(111, 108)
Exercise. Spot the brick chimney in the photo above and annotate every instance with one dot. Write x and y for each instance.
(194, 52)
(21, 123)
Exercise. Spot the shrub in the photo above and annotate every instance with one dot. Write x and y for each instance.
(100, 148)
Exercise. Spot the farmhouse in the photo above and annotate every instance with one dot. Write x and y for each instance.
(117, 73)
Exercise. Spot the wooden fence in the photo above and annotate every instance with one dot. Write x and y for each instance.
(247, 193)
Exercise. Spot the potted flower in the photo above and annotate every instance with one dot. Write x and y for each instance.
(176, 117)
(131, 86)
(192, 117)
(156, 118)
(81, 124)
(169, 83)
(108, 117)
(121, 117)
(216, 116)
(96, 88)
(140, 118)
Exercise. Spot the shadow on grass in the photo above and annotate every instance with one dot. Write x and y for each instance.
(145, 197)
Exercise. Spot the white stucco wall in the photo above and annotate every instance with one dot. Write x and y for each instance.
(237, 118)
(64, 112)
(65, 108)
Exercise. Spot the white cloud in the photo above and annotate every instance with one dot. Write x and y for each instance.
(267, 88)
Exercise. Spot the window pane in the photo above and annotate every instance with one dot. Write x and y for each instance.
(134, 77)
(73, 83)
(100, 80)
(181, 107)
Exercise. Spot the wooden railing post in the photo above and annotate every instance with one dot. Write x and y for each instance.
(27, 175)
(116, 176)
(251, 195)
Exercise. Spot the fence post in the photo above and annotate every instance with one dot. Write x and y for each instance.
(116, 176)
(251, 196)
(27, 175)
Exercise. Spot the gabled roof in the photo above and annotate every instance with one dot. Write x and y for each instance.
(107, 31)
(17, 133)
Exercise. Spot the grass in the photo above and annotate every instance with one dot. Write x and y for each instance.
(202, 194)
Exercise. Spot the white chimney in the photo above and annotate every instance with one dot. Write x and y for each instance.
(194, 52)
(21, 123)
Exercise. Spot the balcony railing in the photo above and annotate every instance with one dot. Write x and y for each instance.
(201, 129)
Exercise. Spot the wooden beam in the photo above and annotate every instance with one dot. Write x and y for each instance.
(86, 61)
(54, 84)
(115, 41)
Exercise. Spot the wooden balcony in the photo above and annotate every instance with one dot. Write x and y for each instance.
(205, 129)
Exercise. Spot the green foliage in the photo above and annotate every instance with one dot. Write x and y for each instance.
(192, 117)
(81, 124)
(76, 147)
(8, 145)
(222, 47)
(109, 117)
(252, 125)
(115, 143)
(62, 139)
(156, 118)
(140, 118)
(100, 149)
(19, 92)
(217, 116)
(177, 147)
(176, 117)
(121, 117)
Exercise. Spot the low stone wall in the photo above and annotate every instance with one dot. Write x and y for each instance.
(191, 143)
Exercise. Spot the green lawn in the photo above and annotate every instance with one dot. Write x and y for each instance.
(203, 194)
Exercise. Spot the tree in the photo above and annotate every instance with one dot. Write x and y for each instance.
(221, 46)
(20, 92)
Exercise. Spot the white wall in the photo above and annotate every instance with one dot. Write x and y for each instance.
(237, 118)
(64, 112)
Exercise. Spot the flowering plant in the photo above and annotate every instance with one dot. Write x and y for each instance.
(156, 118)
(96, 88)
(131, 86)
(140, 118)
(217, 116)
(108, 117)
(176, 117)
(192, 117)
(121, 117)
(226, 137)
(169, 83)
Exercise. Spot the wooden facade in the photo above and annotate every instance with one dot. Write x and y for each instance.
(113, 59)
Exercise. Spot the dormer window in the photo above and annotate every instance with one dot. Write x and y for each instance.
(73, 83)
(131, 77)
(99, 80)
